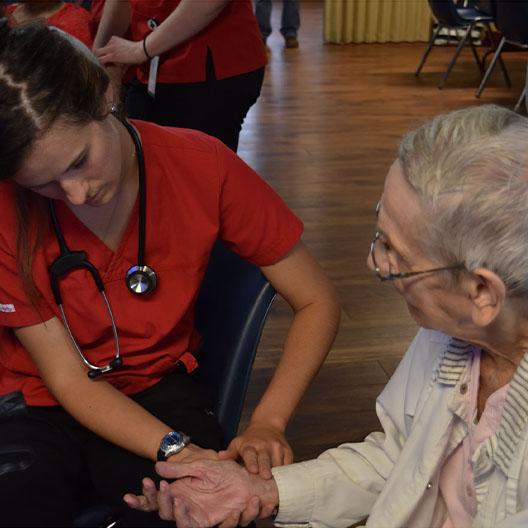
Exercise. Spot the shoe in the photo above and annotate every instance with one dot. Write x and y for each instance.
(290, 41)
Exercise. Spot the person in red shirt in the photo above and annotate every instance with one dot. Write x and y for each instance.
(211, 61)
(71, 18)
(75, 175)
(96, 12)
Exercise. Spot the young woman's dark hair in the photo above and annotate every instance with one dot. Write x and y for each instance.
(45, 75)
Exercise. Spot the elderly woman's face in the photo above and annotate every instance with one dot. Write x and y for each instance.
(432, 301)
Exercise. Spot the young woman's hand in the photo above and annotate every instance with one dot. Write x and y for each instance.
(260, 447)
(207, 493)
(121, 51)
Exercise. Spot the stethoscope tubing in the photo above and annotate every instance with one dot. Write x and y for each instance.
(68, 261)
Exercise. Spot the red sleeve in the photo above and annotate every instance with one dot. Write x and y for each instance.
(74, 20)
(16, 309)
(254, 221)
(96, 12)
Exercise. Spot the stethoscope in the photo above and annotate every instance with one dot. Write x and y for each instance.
(140, 279)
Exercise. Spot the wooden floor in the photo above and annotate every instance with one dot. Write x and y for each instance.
(324, 133)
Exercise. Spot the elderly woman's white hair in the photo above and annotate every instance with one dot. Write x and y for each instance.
(470, 169)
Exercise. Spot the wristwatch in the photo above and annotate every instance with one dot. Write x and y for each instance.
(172, 443)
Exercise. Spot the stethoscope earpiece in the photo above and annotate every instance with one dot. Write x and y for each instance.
(94, 374)
(97, 372)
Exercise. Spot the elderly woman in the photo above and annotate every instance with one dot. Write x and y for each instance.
(452, 238)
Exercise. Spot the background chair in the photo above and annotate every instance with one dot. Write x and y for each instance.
(451, 17)
(511, 19)
(231, 309)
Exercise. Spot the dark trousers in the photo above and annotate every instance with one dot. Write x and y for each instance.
(50, 465)
(216, 107)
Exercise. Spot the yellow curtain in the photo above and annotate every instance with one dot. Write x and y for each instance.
(376, 21)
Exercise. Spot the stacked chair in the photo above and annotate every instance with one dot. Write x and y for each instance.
(511, 19)
(464, 19)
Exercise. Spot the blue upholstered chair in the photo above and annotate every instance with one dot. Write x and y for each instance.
(232, 307)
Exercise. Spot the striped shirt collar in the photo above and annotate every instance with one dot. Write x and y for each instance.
(502, 445)
(453, 362)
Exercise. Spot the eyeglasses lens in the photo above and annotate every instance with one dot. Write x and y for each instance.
(381, 257)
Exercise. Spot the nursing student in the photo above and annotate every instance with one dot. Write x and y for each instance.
(95, 381)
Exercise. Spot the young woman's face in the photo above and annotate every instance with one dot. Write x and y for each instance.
(79, 164)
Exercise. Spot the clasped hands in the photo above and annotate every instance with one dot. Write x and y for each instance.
(212, 489)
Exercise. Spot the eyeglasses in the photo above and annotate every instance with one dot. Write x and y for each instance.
(382, 265)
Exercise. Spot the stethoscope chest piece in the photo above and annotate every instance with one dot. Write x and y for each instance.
(141, 280)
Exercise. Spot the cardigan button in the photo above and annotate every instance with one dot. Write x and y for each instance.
(463, 388)
(429, 486)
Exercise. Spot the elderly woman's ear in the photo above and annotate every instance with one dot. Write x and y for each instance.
(487, 294)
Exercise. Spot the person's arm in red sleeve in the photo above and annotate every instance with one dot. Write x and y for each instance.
(188, 19)
(97, 405)
(257, 224)
(302, 283)
(115, 20)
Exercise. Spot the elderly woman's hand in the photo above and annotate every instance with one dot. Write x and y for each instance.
(261, 446)
(121, 51)
(207, 494)
(192, 453)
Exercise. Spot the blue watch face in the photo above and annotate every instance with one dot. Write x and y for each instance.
(172, 438)
(171, 444)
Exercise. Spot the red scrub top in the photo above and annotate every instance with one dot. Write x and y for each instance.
(197, 191)
(70, 18)
(233, 38)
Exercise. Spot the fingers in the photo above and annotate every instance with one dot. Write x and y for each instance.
(148, 501)
(231, 453)
(251, 512)
(260, 461)
(267, 510)
(186, 518)
(175, 470)
(137, 502)
(231, 520)
(288, 457)
(150, 493)
(264, 464)
(260, 447)
(165, 502)
(132, 501)
(181, 514)
(250, 459)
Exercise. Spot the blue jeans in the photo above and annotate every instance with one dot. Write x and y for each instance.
(290, 20)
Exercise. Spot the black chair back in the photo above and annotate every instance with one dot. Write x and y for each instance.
(232, 306)
(512, 20)
(488, 7)
(446, 13)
